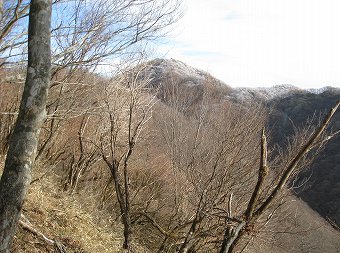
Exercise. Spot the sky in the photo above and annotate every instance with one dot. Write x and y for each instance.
(261, 43)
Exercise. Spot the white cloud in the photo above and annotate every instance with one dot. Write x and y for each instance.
(262, 42)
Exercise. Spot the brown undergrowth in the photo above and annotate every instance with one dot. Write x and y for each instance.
(65, 218)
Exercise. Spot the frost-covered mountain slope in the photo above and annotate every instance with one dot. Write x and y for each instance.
(165, 72)
(169, 71)
(161, 70)
(171, 68)
(262, 93)
(176, 82)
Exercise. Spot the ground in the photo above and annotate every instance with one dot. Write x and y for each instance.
(71, 219)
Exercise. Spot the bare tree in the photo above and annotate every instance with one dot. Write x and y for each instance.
(126, 107)
(24, 140)
(86, 35)
(217, 197)
(256, 208)
(83, 159)
(211, 151)
(13, 32)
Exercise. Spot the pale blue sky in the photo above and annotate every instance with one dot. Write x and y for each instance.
(260, 43)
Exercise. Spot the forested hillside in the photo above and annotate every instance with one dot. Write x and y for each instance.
(322, 190)
(105, 150)
(290, 109)
(169, 160)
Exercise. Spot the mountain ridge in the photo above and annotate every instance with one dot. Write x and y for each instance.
(159, 69)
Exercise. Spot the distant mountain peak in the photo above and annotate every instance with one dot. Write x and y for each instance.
(161, 71)
(176, 68)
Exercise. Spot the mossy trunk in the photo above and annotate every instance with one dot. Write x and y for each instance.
(32, 113)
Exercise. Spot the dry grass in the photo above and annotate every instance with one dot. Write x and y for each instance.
(76, 222)
(66, 218)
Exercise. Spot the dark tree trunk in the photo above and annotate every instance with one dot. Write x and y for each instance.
(32, 113)
(122, 194)
(127, 230)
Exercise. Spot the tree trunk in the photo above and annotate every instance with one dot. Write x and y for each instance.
(127, 231)
(123, 200)
(32, 113)
(230, 238)
(186, 245)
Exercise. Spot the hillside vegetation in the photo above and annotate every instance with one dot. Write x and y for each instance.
(74, 221)
(161, 152)
(321, 191)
